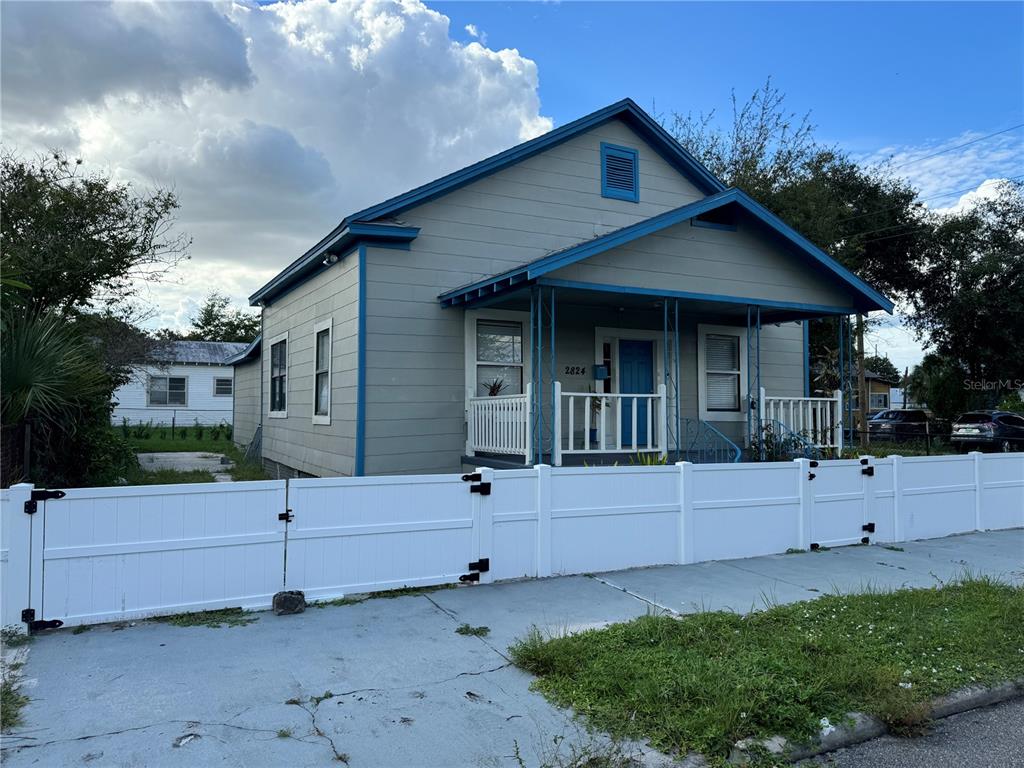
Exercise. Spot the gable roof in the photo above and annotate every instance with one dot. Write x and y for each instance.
(251, 352)
(198, 352)
(343, 235)
(868, 297)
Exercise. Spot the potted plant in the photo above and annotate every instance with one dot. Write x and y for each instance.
(495, 387)
(596, 404)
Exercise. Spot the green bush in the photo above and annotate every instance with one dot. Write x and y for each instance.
(198, 430)
(1012, 402)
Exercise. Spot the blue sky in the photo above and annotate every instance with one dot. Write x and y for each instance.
(873, 74)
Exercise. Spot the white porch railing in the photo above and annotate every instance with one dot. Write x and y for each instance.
(593, 423)
(501, 425)
(819, 419)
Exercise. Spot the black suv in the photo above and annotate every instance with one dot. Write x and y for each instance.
(995, 430)
(901, 424)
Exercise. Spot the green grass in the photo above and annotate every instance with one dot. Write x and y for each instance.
(389, 594)
(244, 470)
(466, 629)
(11, 702)
(229, 617)
(883, 448)
(169, 477)
(704, 681)
(146, 439)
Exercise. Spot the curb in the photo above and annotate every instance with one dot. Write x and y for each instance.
(864, 727)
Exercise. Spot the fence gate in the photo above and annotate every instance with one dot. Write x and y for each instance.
(840, 490)
(119, 553)
(357, 534)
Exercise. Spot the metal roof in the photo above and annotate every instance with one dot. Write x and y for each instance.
(201, 352)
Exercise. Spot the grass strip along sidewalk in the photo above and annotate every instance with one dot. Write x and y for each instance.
(704, 681)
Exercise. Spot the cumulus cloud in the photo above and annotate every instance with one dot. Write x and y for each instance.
(272, 122)
(474, 31)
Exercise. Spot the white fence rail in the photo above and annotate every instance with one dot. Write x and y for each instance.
(501, 425)
(101, 554)
(819, 419)
(593, 423)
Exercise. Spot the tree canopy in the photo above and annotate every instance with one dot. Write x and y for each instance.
(217, 320)
(883, 366)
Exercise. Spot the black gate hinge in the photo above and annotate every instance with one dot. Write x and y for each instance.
(811, 476)
(28, 615)
(869, 471)
(32, 505)
(286, 516)
(484, 489)
(483, 565)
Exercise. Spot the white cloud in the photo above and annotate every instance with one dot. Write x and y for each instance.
(474, 31)
(271, 122)
(890, 336)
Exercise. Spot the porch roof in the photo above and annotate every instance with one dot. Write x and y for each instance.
(514, 280)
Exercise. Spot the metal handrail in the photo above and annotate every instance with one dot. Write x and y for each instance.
(706, 444)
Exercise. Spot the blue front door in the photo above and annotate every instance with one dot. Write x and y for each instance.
(636, 376)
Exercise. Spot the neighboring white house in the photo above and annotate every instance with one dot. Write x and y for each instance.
(582, 298)
(188, 381)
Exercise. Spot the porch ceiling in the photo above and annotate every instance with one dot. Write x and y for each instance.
(616, 300)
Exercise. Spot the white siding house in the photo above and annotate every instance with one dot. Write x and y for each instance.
(587, 296)
(187, 381)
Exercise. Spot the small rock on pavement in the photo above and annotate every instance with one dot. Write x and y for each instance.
(289, 602)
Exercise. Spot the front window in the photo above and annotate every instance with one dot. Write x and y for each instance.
(322, 374)
(879, 400)
(722, 369)
(222, 387)
(279, 377)
(168, 390)
(499, 358)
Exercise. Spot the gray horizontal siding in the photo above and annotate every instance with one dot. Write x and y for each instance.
(246, 401)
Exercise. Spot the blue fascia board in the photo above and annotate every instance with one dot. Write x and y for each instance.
(343, 243)
(359, 460)
(807, 359)
(872, 298)
(815, 309)
(251, 351)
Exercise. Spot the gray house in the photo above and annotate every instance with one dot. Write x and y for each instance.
(592, 295)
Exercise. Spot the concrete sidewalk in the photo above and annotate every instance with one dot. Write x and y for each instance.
(406, 690)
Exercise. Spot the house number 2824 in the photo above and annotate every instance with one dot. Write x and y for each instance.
(575, 370)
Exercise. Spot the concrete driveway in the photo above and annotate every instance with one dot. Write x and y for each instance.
(405, 689)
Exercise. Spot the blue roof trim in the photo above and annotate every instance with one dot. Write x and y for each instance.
(250, 352)
(342, 241)
(872, 299)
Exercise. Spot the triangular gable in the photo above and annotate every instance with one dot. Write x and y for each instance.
(870, 299)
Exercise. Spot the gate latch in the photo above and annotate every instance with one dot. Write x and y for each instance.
(484, 489)
(28, 615)
(868, 527)
(869, 471)
(32, 505)
(286, 516)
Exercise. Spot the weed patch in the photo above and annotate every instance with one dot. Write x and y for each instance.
(11, 702)
(704, 681)
(168, 477)
(385, 595)
(225, 617)
(466, 629)
(12, 638)
(81, 628)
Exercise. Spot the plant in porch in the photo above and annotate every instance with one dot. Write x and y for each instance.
(495, 387)
(596, 406)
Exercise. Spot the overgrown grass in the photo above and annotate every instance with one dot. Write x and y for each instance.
(145, 438)
(244, 470)
(229, 617)
(168, 476)
(702, 682)
(11, 703)
(883, 448)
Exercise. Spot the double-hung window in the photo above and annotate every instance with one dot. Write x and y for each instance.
(722, 372)
(499, 358)
(322, 373)
(168, 390)
(279, 377)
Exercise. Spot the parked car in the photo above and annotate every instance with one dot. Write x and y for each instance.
(995, 430)
(903, 424)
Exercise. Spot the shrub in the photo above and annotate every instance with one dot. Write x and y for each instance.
(126, 430)
(215, 433)
(198, 430)
(228, 431)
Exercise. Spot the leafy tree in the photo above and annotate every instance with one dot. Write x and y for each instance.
(82, 240)
(883, 366)
(939, 382)
(218, 321)
(969, 296)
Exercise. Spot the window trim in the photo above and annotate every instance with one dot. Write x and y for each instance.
(223, 378)
(287, 378)
(149, 387)
(327, 324)
(703, 331)
(472, 316)
(618, 194)
(872, 395)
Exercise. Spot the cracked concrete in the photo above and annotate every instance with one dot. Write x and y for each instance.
(405, 689)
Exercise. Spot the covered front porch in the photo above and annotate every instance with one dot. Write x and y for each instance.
(572, 373)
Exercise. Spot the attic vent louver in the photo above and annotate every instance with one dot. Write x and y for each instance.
(619, 173)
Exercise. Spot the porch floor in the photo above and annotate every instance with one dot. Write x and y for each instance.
(623, 459)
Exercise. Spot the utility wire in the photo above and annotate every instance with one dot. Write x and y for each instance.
(958, 146)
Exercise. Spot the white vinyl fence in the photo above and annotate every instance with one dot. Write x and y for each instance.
(102, 554)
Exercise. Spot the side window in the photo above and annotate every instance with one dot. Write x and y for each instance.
(223, 387)
(168, 390)
(279, 377)
(499, 358)
(322, 373)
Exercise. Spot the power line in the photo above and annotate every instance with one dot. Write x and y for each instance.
(958, 146)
